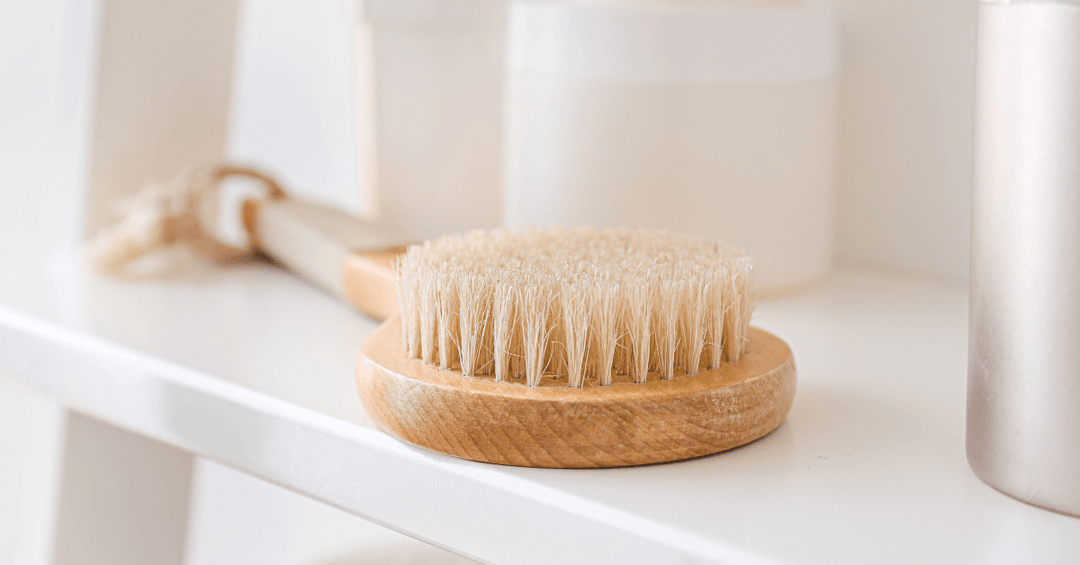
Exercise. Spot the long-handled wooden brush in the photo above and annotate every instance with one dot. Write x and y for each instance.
(541, 348)
(553, 348)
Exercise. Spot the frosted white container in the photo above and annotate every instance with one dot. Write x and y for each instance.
(709, 119)
(430, 89)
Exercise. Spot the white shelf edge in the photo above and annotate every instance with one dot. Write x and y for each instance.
(363, 471)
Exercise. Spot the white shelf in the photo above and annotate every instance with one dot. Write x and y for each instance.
(253, 368)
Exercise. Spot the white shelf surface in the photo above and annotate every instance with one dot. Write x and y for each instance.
(251, 367)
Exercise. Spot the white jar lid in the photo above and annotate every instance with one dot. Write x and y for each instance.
(673, 43)
(466, 13)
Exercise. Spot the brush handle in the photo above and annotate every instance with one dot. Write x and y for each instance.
(346, 256)
(367, 279)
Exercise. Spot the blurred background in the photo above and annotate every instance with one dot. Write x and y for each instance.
(468, 107)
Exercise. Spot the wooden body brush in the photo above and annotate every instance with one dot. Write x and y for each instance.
(547, 348)
(543, 348)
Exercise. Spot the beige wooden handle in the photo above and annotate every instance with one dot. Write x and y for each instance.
(346, 256)
(367, 279)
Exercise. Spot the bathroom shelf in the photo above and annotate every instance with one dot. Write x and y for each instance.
(250, 367)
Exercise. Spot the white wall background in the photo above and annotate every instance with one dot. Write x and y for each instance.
(905, 170)
(906, 120)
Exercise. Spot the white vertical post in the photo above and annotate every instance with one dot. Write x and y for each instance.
(123, 498)
(30, 429)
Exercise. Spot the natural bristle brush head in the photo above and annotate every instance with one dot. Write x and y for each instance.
(574, 306)
(575, 348)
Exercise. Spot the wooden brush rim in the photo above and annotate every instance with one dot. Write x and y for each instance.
(552, 425)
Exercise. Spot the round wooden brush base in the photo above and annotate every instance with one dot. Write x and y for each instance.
(552, 425)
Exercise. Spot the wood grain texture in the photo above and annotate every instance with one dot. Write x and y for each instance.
(553, 426)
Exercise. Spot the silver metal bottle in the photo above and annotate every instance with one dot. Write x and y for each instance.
(1023, 413)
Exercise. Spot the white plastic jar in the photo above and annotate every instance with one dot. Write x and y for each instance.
(430, 103)
(712, 119)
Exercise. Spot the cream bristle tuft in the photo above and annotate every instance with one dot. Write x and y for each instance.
(473, 305)
(426, 288)
(692, 327)
(605, 331)
(410, 308)
(638, 308)
(446, 298)
(502, 328)
(582, 305)
(534, 306)
(576, 307)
